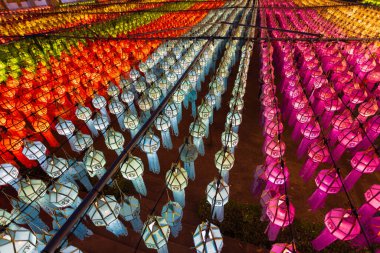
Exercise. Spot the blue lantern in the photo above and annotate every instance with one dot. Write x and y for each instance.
(177, 180)
(172, 213)
(133, 169)
(150, 144)
(156, 233)
(104, 212)
(130, 211)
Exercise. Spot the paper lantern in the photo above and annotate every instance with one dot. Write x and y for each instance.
(9, 175)
(130, 211)
(100, 103)
(117, 108)
(208, 238)
(224, 161)
(82, 141)
(217, 196)
(17, 239)
(104, 212)
(340, 224)
(162, 124)
(84, 113)
(101, 123)
(280, 215)
(177, 180)
(150, 144)
(63, 194)
(172, 213)
(114, 141)
(328, 182)
(197, 131)
(35, 151)
(131, 122)
(171, 111)
(133, 169)
(363, 162)
(156, 233)
(128, 97)
(188, 154)
(55, 166)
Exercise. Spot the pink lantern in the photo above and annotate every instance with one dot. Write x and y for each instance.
(276, 176)
(328, 182)
(331, 106)
(273, 128)
(372, 129)
(282, 248)
(363, 162)
(318, 153)
(348, 138)
(303, 116)
(372, 205)
(274, 149)
(339, 123)
(340, 224)
(258, 180)
(367, 109)
(310, 132)
(279, 216)
(265, 197)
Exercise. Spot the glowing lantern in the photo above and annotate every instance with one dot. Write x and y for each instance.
(177, 180)
(150, 144)
(17, 239)
(55, 166)
(63, 194)
(104, 212)
(230, 140)
(41, 125)
(130, 211)
(372, 205)
(9, 175)
(162, 124)
(145, 103)
(208, 238)
(154, 93)
(35, 151)
(133, 170)
(224, 161)
(128, 97)
(188, 154)
(172, 213)
(101, 123)
(198, 131)
(363, 162)
(328, 182)
(204, 113)
(280, 215)
(340, 224)
(156, 233)
(66, 128)
(318, 153)
(117, 108)
(178, 97)
(84, 113)
(217, 196)
(348, 138)
(82, 141)
(131, 122)
(171, 111)
(114, 141)
(99, 102)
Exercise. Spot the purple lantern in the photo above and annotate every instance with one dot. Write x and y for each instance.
(372, 205)
(279, 216)
(282, 248)
(318, 153)
(310, 132)
(339, 123)
(363, 162)
(348, 138)
(276, 176)
(328, 182)
(340, 224)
